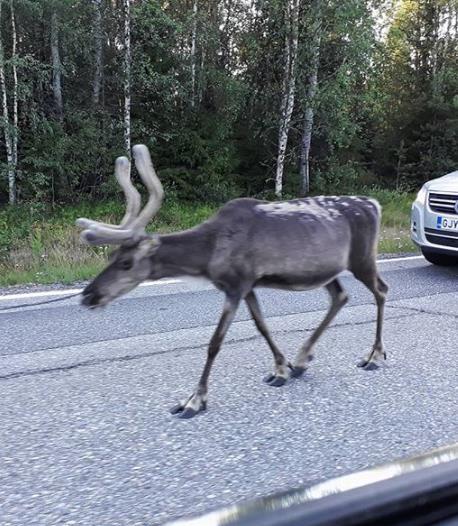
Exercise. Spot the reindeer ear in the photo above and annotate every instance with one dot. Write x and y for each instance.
(148, 246)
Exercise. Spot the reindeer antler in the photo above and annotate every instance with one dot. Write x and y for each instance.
(133, 223)
(122, 173)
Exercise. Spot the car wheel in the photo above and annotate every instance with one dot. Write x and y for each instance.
(439, 259)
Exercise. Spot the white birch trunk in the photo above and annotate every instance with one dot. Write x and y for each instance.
(127, 61)
(56, 66)
(6, 127)
(289, 86)
(193, 52)
(312, 86)
(98, 41)
(226, 37)
(15, 83)
(199, 87)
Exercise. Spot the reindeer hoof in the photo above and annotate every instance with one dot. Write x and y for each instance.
(368, 366)
(372, 366)
(275, 381)
(187, 412)
(296, 372)
(176, 409)
(184, 411)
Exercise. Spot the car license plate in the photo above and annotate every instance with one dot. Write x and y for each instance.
(447, 223)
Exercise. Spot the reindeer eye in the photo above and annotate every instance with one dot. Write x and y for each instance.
(125, 264)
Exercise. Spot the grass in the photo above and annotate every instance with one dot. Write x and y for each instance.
(41, 245)
(395, 232)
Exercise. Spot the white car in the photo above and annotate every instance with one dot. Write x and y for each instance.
(434, 220)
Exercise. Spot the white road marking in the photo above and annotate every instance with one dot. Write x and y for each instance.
(393, 260)
(39, 294)
(65, 292)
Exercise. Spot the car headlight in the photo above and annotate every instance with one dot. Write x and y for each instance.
(421, 196)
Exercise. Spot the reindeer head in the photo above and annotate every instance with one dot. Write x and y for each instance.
(132, 262)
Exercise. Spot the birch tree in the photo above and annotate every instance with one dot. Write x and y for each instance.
(226, 30)
(194, 52)
(15, 86)
(98, 44)
(56, 65)
(127, 91)
(10, 129)
(288, 87)
(311, 90)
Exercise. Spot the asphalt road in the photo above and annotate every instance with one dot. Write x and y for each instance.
(85, 433)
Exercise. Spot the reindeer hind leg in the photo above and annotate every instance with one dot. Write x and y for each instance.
(279, 377)
(379, 289)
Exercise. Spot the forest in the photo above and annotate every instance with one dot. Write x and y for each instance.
(264, 98)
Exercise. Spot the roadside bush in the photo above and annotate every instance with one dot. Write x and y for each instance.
(340, 179)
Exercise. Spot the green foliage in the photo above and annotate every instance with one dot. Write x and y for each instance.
(385, 113)
(340, 179)
(412, 94)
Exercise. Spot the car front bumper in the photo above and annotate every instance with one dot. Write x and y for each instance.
(424, 232)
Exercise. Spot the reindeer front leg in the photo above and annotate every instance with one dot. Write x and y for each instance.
(197, 402)
(305, 355)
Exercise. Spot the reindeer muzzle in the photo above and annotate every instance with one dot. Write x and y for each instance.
(91, 298)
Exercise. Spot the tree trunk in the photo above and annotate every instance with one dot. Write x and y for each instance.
(15, 84)
(289, 84)
(399, 164)
(56, 66)
(127, 60)
(98, 41)
(10, 157)
(225, 36)
(312, 85)
(15, 135)
(193, 52)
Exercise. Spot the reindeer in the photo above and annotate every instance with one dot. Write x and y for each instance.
(297, 245)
